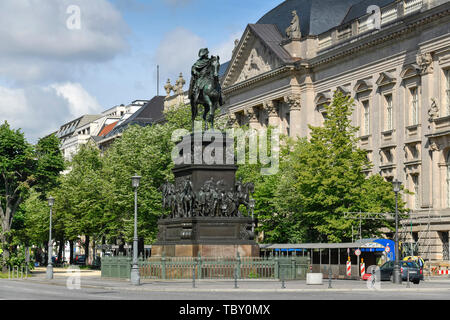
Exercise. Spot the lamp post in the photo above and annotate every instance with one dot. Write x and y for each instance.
(49, 273)
(397, 275)
(135, 276)
(252, 209)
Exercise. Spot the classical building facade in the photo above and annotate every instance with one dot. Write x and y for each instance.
(392, 57)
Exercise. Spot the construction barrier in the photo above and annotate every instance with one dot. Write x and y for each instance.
(441, 272)
(363, 268)
(349, 268)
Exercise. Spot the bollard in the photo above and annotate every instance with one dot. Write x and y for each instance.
(330, 275)
(193, 277)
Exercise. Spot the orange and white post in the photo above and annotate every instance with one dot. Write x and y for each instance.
(363, 268)
(349, 267)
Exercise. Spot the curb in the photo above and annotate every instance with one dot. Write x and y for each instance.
(222, 290)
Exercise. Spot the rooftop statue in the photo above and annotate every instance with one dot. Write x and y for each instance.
(293, 31)
(205, 88)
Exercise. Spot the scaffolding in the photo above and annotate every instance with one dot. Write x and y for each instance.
(403, 230)
(422, 221)
(409, 245)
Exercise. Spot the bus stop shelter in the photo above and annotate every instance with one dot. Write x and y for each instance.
(334, 256)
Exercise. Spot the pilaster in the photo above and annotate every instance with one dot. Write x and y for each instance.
(294, 104)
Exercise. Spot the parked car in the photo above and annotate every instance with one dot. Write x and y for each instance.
(54, 260)
(80, 259)
(415, 272)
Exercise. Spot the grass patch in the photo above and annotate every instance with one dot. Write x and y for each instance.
(6, 276)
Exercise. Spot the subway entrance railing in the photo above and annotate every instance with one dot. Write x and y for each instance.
(178, 268)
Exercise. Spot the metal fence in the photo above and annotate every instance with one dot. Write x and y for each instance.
(173, 268)
(17, 272)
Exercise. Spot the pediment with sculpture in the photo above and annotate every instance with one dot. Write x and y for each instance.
(252, 59)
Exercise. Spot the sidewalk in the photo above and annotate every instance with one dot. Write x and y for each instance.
(92, 279)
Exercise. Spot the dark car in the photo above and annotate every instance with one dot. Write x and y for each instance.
(80, 259)
(56, 261)
(415, 272)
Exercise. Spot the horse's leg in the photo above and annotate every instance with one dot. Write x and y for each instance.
(208, 109)
(194, 109)
(212, 113)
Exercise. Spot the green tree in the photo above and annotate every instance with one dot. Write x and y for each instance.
(49, 166)
(79, 201)
(325, 177)
(145, 151)
(17, 165)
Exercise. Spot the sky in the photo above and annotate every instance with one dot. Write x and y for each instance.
(61, 59)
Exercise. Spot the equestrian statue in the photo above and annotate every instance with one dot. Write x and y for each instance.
(205, 88)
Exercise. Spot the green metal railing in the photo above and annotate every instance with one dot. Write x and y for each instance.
(174, 268)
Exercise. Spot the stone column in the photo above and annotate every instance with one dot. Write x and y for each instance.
(232, 120)
(294, 105)
(252, 114)
(272, 110)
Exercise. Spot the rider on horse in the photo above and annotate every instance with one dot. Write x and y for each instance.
(205, 86)
(198, 74)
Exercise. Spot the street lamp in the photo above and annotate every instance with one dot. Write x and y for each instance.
(397, 275)
(135, 276)
(251, 204)
(51, 202)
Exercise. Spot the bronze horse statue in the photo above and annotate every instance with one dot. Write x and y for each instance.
(210, 94)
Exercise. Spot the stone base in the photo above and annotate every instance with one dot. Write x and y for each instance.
(205, 250)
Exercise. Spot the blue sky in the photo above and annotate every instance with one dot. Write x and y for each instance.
(50, 74)
(217, 23)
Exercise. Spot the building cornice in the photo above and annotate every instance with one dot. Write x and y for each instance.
(404, 26)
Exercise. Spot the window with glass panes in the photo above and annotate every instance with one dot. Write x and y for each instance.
(366, 117)
(414, 106)
(415, 179)
(389, 112)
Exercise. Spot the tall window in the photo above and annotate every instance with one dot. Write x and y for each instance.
(447, 90)
(414, 106)
(389, 112)
(366, 117)
(415, 180)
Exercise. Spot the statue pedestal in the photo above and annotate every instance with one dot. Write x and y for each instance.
(207, 236)
(205, 250)
(204, 203)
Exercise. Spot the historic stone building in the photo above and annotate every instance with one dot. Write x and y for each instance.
(392, 57)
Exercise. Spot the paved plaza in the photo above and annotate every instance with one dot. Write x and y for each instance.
(93, 287)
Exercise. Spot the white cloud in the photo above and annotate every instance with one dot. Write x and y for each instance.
(179, 50)
(38, 111)
(225, 49)
(79, 100)
(37, 45)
